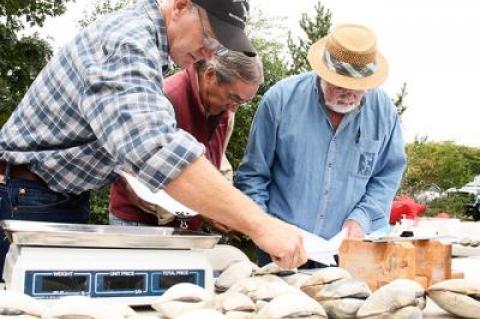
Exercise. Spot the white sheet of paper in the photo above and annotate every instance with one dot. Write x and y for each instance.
(321, 250)
(160, 198)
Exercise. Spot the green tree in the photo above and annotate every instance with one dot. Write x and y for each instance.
(261, 30)
(102, 7)
(314, 28)
(442, 163)
(399, 101)
(22, 57)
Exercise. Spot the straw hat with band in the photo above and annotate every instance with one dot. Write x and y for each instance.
(348, 58)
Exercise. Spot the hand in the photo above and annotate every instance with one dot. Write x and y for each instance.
(283, 242)
(354, 230)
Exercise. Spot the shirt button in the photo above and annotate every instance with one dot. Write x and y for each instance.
(325, 193)
(330, 165)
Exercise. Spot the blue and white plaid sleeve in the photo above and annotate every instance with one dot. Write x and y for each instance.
(133, 120)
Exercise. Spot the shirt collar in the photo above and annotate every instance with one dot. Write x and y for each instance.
(152, 9)
(193, 77)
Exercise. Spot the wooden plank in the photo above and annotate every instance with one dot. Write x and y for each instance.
(426, 261)
(377, 263)
(433, 260)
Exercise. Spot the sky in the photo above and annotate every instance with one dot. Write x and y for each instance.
(429, 44)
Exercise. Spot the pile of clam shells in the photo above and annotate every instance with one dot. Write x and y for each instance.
(244, 291)
(470, 242)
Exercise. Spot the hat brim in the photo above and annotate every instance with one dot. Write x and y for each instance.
(315, 58)
(232, 37)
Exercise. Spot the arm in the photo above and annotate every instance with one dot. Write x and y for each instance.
(201, 187)
(372, 212)
(253, 175)
(135, 124)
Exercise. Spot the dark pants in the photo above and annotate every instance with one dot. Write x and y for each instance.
(30, 200)
(263, 258)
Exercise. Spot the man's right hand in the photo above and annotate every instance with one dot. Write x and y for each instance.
(283, 242)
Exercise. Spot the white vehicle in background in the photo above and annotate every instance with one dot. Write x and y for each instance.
(471, 188)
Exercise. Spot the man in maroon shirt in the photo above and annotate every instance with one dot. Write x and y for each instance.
(205, 97)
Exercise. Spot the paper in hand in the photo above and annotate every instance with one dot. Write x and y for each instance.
(159, 198)
(321, 250)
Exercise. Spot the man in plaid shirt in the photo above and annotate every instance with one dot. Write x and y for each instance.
(98, 107)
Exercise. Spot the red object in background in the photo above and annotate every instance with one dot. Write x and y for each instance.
(405, 206)
(443, 215)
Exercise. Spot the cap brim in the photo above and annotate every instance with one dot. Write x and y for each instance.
(315, 58)
(231, 37)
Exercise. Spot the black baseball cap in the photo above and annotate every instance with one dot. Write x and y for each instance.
(227, 18)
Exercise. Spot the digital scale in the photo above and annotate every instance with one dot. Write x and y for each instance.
(131, 265)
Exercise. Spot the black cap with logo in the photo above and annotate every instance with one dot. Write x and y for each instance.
(227, 18)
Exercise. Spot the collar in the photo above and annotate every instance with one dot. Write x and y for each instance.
(192, 74)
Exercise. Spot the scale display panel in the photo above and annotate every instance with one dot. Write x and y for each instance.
(56, 284)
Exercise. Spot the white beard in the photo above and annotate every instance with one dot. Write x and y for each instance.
(342, 108)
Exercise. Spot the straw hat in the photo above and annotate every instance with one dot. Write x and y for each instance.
(348, 58)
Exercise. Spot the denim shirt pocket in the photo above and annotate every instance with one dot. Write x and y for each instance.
(365, 157)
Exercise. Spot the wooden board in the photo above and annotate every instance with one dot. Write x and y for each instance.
(426, 261)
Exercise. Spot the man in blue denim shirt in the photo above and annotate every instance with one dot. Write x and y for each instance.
(99, 107)
(326, 150)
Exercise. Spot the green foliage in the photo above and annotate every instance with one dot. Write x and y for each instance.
(99, 206)
(274, 70)
(400, 100)
(444, 164)
(22, 57)
(314, 28)
(103, 7)
(453, 204)
(16, 13)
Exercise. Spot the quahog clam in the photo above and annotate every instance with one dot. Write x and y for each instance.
(233, 273)
(274, 269)
(389, 300)
(292, 306)
(321, 278)
(82, 307)
(181, 298)
(342, 298)
(13, 303)
(460, 297)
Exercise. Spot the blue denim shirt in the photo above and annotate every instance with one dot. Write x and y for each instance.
(298, 168)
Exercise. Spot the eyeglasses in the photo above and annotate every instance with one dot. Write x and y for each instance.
(236, 100)
(209, 42)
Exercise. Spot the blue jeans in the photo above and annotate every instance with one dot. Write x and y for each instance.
(28, 200)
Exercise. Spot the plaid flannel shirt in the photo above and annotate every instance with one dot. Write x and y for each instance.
(98, 106)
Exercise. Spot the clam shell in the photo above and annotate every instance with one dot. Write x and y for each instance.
(81, 306)
(202, 314)
(292, 306)
(323, 277)
(460, 297)
(392, 297)
(232, 274)
(273, 269)
(181, 298)
(17, 303)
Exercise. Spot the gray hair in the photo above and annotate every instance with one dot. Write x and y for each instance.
(233, 66)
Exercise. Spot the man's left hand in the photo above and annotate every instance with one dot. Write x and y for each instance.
(354, 230)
